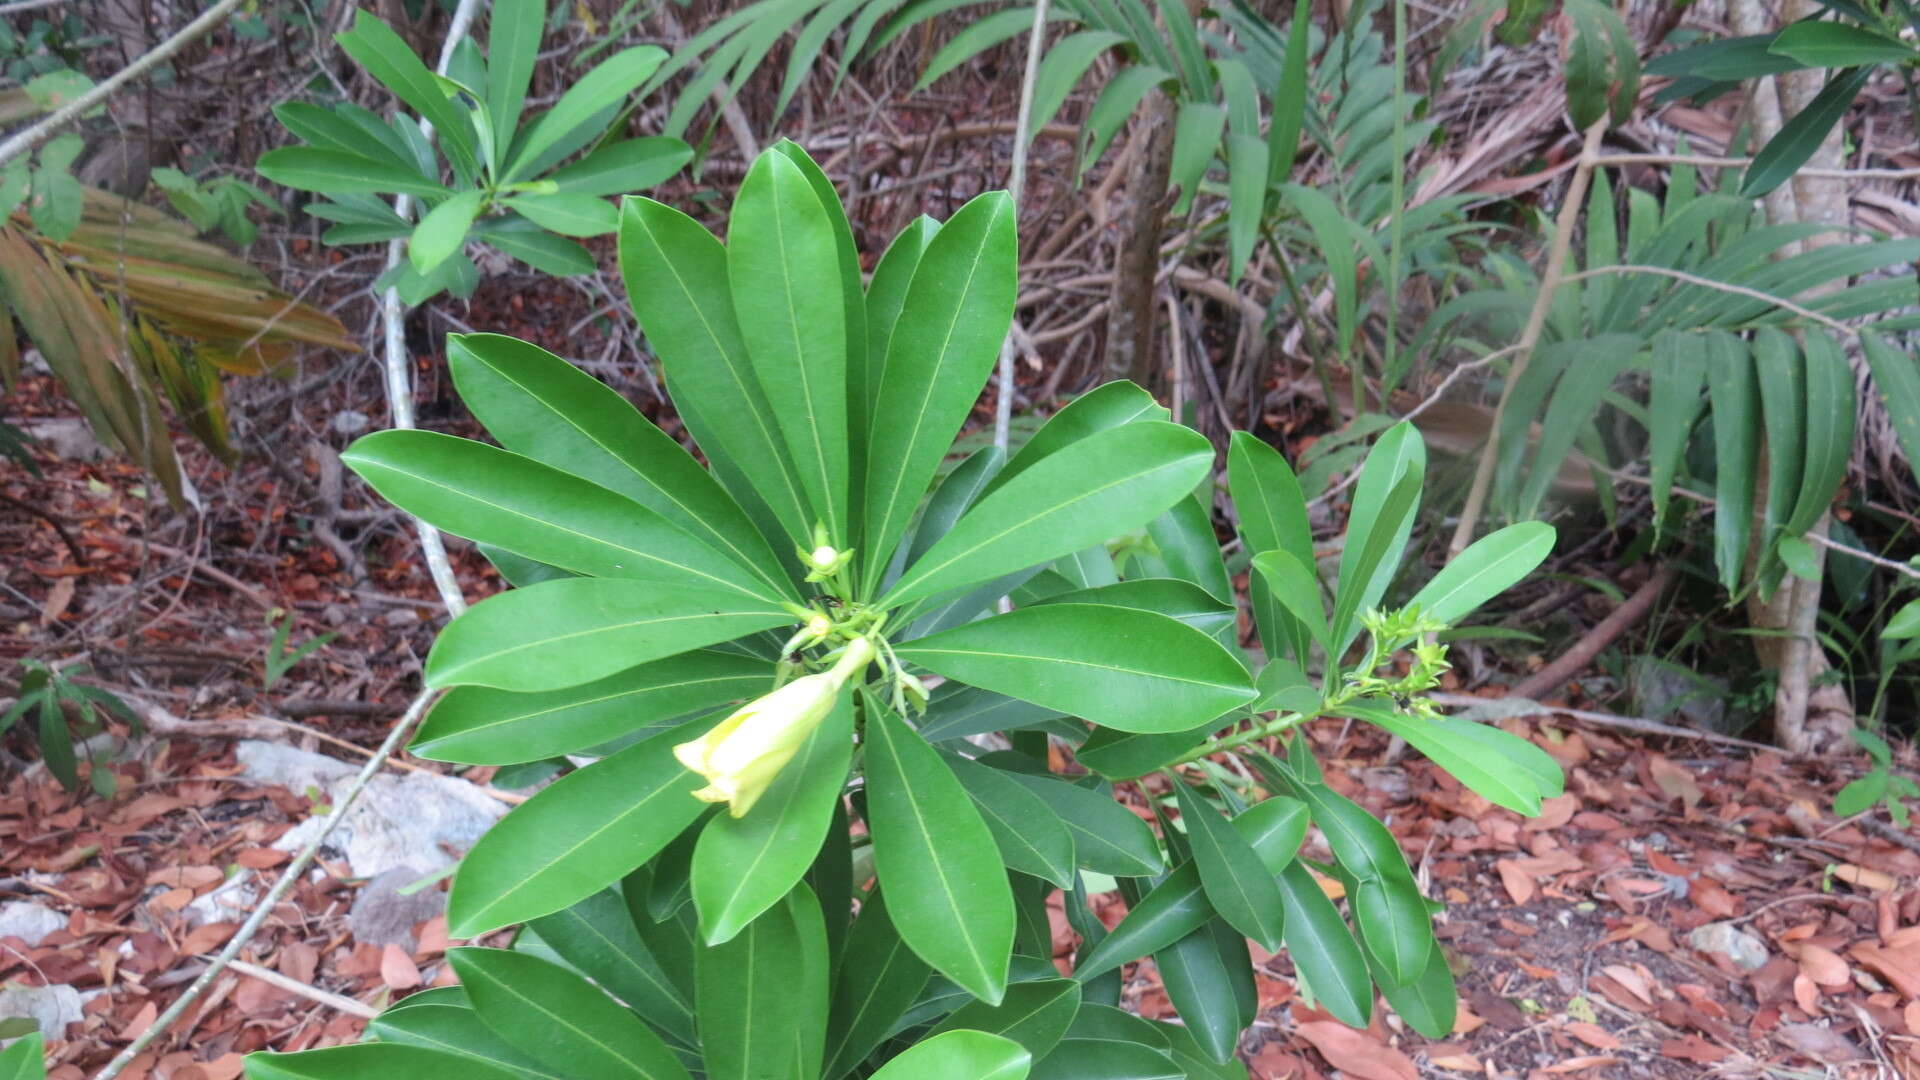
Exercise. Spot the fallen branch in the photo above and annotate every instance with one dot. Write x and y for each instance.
(1623, 618)
(1625, 723)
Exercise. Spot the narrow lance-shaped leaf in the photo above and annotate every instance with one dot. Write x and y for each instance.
(586, 831)
(937, 860)
(1103, 485)
(1118, 667)
(941, 349)
(784, 268)
(1237, 883)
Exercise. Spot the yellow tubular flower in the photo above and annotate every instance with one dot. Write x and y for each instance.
(742, 754)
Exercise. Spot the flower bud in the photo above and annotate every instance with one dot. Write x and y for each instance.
(742, 754)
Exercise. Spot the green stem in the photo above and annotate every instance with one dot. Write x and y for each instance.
(1279, 725)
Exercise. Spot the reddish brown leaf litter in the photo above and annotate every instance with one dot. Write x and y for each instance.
(1682, 909)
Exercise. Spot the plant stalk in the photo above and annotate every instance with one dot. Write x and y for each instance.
(1550, 280)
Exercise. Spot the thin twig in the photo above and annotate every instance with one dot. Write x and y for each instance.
(94, 98)
(1017, 184)
(393, 315)
(1738, 290)
(28, 5)
(1619, 621)
(294, 871)
(332, 1001)
(1626, 723)
(1741, 162)
(1550, 279)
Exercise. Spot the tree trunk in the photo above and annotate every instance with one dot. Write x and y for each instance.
(1130, 302)
(1806, 717)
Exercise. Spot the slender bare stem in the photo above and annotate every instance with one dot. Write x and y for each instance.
(94, 98)
(1550, 279)
(1017, 185)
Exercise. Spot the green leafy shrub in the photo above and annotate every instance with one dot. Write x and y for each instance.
(63, 708)
(688, 900)
(495, 176)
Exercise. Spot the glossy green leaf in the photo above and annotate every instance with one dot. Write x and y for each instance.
(783, 265)
(940, 351)
(560, 1019)
(475, 725)
(1119, 755)
(1060, 69)
(1197, 129)
(1323, 950)
(1108, 483)
(1896, 377)
(1107, 406)
(342, 172)
(1830, 412)
(501, 498)
(586, 831)
(1505, 769)
(1274, 828)
(513, 45)
(1803, 133)
(1679, 373)
(1430, 1004)
(959, 1055)
(1105, 1059)
(624, 167)
(1184, 535)
(455, 1030)
(387, 57)
(567, 213)
(597, 937)
(1119, 667)
(1296, 589)
(1384, 504)
(1273, 516)
(1395, 927)
(22, 1061)
(1836, 44)
(958, 710)
(761, 1001)
(575, 630)
(1199, 981)
(538, 405)
(443, 231)
(1176, 599)
(1487, 568)
(1035, 1014)
(886, 293)
(1237, 884)
(879, 978)
(1116, 102)
(1032, 839)
(1904, 623)
(1107, 837)
(566, 126)
(1735, 397)
(676, 276)
(743, 866)
(936, 858)
(361, 1060)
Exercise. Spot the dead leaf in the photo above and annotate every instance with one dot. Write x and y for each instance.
(1576, 1064)
(1518, 881)
(1454, 1056)
(1675, 782)
(1823, 966)
(55, 605)
(1357, 1053)
(1695, 1049)
(1632, 980)
(1819, 1043)
(1861, 877)
(207, 938)
(1593, 1035)
(397, 969)
(1554, 813)
(1806, 995)
(1901, 967)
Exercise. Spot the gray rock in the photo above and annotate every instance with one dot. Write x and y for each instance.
(382, 916)
(351, 422)
(29, 922)
(399, 821)
(1729, 941)
(52, 1007)
(1668, 691)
